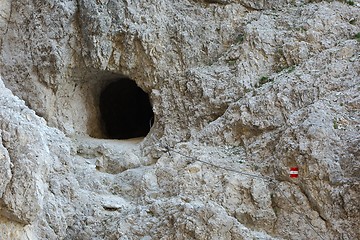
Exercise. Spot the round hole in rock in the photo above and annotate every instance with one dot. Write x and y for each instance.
(125, 110)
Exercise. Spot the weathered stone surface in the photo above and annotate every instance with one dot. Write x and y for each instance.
(254, 87)
(5, 168)
(31, 154)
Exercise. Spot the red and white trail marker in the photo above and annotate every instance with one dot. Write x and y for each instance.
(294, 172)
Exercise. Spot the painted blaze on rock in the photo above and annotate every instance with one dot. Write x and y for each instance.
(294, 172)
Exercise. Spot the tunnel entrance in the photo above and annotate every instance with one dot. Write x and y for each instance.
(125, 110)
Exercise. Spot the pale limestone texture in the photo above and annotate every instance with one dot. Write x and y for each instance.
(255, 87)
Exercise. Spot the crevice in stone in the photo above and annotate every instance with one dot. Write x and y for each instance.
(313, 203)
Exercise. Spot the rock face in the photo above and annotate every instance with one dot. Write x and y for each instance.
(241, 91)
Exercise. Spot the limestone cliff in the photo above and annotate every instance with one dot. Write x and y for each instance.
(240, 90)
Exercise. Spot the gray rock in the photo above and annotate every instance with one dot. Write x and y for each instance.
(241, 92)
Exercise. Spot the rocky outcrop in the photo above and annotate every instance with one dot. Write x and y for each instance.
(241, 92)
(34, 162)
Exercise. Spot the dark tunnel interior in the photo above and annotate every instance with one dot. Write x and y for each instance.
(125, 110)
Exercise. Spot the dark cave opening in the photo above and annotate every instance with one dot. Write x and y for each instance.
(125, 110)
